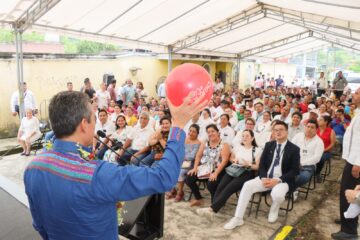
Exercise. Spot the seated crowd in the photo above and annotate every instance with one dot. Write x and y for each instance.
(272, 139)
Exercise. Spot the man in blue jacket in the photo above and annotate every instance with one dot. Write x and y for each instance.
(74, 197)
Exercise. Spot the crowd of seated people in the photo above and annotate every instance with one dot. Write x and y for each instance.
(245, 141)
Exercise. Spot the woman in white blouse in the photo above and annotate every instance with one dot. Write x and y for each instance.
(205, 120)
(119, 136)
(227, 134)
(29, 132)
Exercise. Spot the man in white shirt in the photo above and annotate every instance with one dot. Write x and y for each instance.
(108, 127)
(351, 173)
(257, 115)
(241, 124)
(311, 149)
(322, 84)
(284, 116)
(295, 126)
(161, 90)
(29, 101)
(137, 145)
(221, 109)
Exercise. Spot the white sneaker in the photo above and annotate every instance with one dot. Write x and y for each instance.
(233, 223)
(296, 195)
(206, 212)
(274, 213)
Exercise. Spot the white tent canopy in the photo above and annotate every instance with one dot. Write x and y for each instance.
(225, 28)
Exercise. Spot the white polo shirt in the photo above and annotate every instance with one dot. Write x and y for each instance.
(140, 137)
(310, 150)
(108, 128)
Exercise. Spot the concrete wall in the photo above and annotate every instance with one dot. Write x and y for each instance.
(47, 77)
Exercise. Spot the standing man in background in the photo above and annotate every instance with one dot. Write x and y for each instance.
(322, 84)
(339, 84)
(69, 86)
(29, 101)
(128, 92)
(161, 90)
(351, 173)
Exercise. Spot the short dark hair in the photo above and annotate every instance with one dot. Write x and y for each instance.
(67, 110)
(86, 80)
(312, 121)
(102, 110)
(224, 102)
(113, 81)
(297, 114)
(279, 122)
(196, 127)
(68, 83)
(340, 111)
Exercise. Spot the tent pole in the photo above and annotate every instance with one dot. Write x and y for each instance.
(170, 48)
(19, 70)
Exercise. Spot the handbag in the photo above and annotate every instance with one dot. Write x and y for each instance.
(186, 164)
(204, 171)
(235, 170)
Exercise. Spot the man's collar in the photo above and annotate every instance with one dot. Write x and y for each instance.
(67, 146)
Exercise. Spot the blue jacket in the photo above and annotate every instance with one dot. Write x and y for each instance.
(71, 198)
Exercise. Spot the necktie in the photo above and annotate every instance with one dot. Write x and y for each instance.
(277, 161)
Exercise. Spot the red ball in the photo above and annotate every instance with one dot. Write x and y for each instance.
(186, 78)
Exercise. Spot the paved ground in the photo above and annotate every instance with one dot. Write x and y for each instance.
(312, 217)
(7, 144)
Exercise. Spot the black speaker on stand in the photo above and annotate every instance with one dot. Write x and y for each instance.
(107, 78)
(143, 218)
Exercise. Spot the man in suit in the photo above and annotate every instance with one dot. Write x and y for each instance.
(279, 165)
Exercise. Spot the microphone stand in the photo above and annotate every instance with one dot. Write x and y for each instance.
(102, 134)
(112, 150)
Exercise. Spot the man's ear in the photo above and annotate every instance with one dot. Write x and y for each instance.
(84, 124)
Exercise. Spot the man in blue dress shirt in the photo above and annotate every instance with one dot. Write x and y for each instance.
(72, 197)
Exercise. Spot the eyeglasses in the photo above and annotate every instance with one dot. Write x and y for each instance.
(249, 124)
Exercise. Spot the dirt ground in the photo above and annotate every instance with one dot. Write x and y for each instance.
(312, 218)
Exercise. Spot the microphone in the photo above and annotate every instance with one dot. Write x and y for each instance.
(119, 144)
(98, 139)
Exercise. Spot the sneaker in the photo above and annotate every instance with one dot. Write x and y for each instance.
(206, 212)
(296, 195)
(233, 223)
(343, 235)
(274, 212)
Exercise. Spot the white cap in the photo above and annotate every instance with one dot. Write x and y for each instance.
(311, 106)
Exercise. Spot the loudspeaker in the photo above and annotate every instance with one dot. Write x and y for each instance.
(107, 78)
(143, 218)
